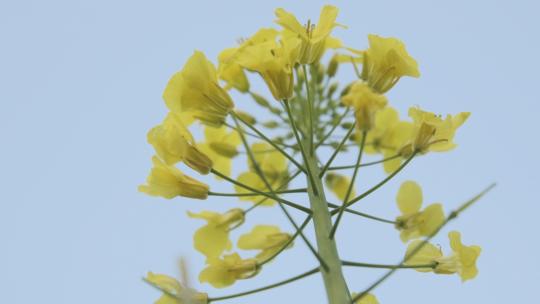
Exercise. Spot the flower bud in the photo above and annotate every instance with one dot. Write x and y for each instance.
(332, 67)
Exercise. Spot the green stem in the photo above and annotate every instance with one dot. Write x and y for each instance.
(268, 140)
(270, 196)
(386, 266)
(454, 214)
(351, 186)
(336, 151)
(299, 141)
(281, 283)
(300, 190)
(310, 110)
(334, 281)
(364, 164)
(380, 184)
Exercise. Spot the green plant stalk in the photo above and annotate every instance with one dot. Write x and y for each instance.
(336, 287)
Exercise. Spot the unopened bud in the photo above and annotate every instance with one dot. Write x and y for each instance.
(332, 67)
(224, 149)
(246, 117)
(331, 90)
(272, 124)
(197, 160)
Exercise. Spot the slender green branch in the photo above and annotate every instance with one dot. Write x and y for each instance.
(454, 214)
(284, 246)
(336, 151)
(351, 185)
(270, 196)
(334, 126)
(299, 190)
(281, 283)
(299, 141)
(364, 164)
(369, 216)
(261, 174)
(310, 110)
(271, 142)
(380, 184)
(387, 266)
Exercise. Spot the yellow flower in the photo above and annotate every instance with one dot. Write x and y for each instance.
(221, 147)
(173, 143)
(274, 166)
(313, 37)
(174, 292)
(466, 255)
(432, 133)
(273, 61)
(414, 223)
(231, 72)
(461, 261)
(261, 36)
(366, 104)
(213, 238)
(195, 90)
(254, 181)
(168, 182)
(385, 62)
(339, 184)
(367, 299)
(268, 239)
(224, 272)
(388, 135)
(271, 161)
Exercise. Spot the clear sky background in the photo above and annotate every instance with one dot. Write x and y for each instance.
(81, 84)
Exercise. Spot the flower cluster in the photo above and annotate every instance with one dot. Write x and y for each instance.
(260, 154)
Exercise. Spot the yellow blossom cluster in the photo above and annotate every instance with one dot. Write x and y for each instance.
(259, 155)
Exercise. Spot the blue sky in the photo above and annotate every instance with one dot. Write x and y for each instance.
(81, 84)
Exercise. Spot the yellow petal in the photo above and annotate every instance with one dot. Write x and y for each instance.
(367, 299)
(289, 21)
(164, 282)
(258, 237)
(217, 275)
(431, 219)
(212, 241)
(409, 197)
(393, 164)
(169, 182)
(339, 185)
(254, 181)
(467, 256)
(427, 255)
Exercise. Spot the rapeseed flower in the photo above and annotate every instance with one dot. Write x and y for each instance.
(412, 222)
(313, 37)
(195, 90)
(174, 292)
(168, 182)
(213, 238)
(462, 260)
(268, 239)
(385, 62)
(173, 143)
(223, 272)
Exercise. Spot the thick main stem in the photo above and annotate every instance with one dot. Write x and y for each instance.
(334, 282)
